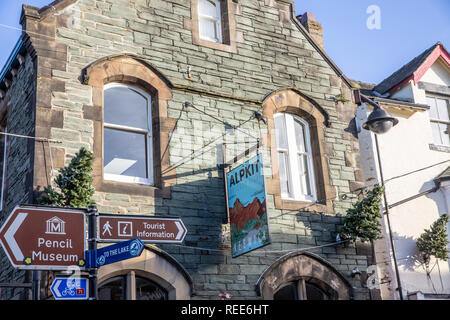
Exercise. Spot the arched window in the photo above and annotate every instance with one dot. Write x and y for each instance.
(210, 20)
(303, 276)
(295, 161)
(301, 290)
(131, 287)
(128, 150)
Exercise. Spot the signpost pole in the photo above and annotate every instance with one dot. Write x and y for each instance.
(36, 280)
(92, 245)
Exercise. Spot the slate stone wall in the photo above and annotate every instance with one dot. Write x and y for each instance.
(271, 53)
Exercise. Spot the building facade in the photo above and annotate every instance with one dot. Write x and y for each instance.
(415, 159)
(166, 94)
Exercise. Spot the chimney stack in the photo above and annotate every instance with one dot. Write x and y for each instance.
(313, 27)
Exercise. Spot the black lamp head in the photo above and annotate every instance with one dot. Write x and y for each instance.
(379, 121)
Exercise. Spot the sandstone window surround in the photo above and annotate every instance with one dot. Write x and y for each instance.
(131, 70)
(292, 102)
(202, 23)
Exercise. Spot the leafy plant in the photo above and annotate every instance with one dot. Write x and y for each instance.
(74, 184)
(362, 220)
(433, 242)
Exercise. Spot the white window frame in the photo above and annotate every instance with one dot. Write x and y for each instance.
(295, 182)
(149, 140)
(217, 20)
(439, 120)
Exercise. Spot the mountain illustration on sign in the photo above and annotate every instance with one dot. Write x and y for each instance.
(254, 213)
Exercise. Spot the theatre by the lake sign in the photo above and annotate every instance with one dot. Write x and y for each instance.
(247, 207)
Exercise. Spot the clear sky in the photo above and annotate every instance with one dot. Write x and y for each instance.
(404, 29)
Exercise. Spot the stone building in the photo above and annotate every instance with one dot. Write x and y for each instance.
(164, 93)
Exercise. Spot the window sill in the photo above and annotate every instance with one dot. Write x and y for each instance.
(231, 48)
(441, 148)
(285, 198)
(290, 204)
(127, 179)
(111, 186)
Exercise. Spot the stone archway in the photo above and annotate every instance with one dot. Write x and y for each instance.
(156, 265)
(297, 265)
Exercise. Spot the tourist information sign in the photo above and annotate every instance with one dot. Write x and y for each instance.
(113, 228)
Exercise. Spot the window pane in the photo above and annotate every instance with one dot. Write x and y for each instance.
(283, 168)
(444, 131)
(300, 136)
(433, 109)
(288, 292)
(304, 174)
(207, 8)
(148, 290)
(436, 133)
(208, 29)
(125, 153)
(442, 109)
(112, 289)
(313, 292)
(281, 132)
(124, 106)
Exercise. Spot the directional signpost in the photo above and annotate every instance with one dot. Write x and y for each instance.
(148, 229)
(44, 238)
(50, 238)
(70, 289)
(114, 253)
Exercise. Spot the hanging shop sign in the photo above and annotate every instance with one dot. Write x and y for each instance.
(247, 207)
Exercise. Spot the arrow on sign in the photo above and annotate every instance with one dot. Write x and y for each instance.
(181, 230)
(9, 236)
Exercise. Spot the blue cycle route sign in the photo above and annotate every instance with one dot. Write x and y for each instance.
(114, 253)
(70, 289)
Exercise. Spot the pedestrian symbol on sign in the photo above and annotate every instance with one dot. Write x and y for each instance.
(107, 228)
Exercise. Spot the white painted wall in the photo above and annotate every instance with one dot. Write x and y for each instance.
(405, 148)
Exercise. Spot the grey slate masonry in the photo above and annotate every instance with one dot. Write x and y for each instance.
(272, 53)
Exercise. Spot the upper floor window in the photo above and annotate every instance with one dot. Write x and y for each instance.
(440, 120)
(210, 20)
(295, 163)
(128, 151)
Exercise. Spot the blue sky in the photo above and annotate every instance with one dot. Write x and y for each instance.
(407, 27)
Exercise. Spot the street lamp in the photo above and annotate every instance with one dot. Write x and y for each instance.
(379, 122)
